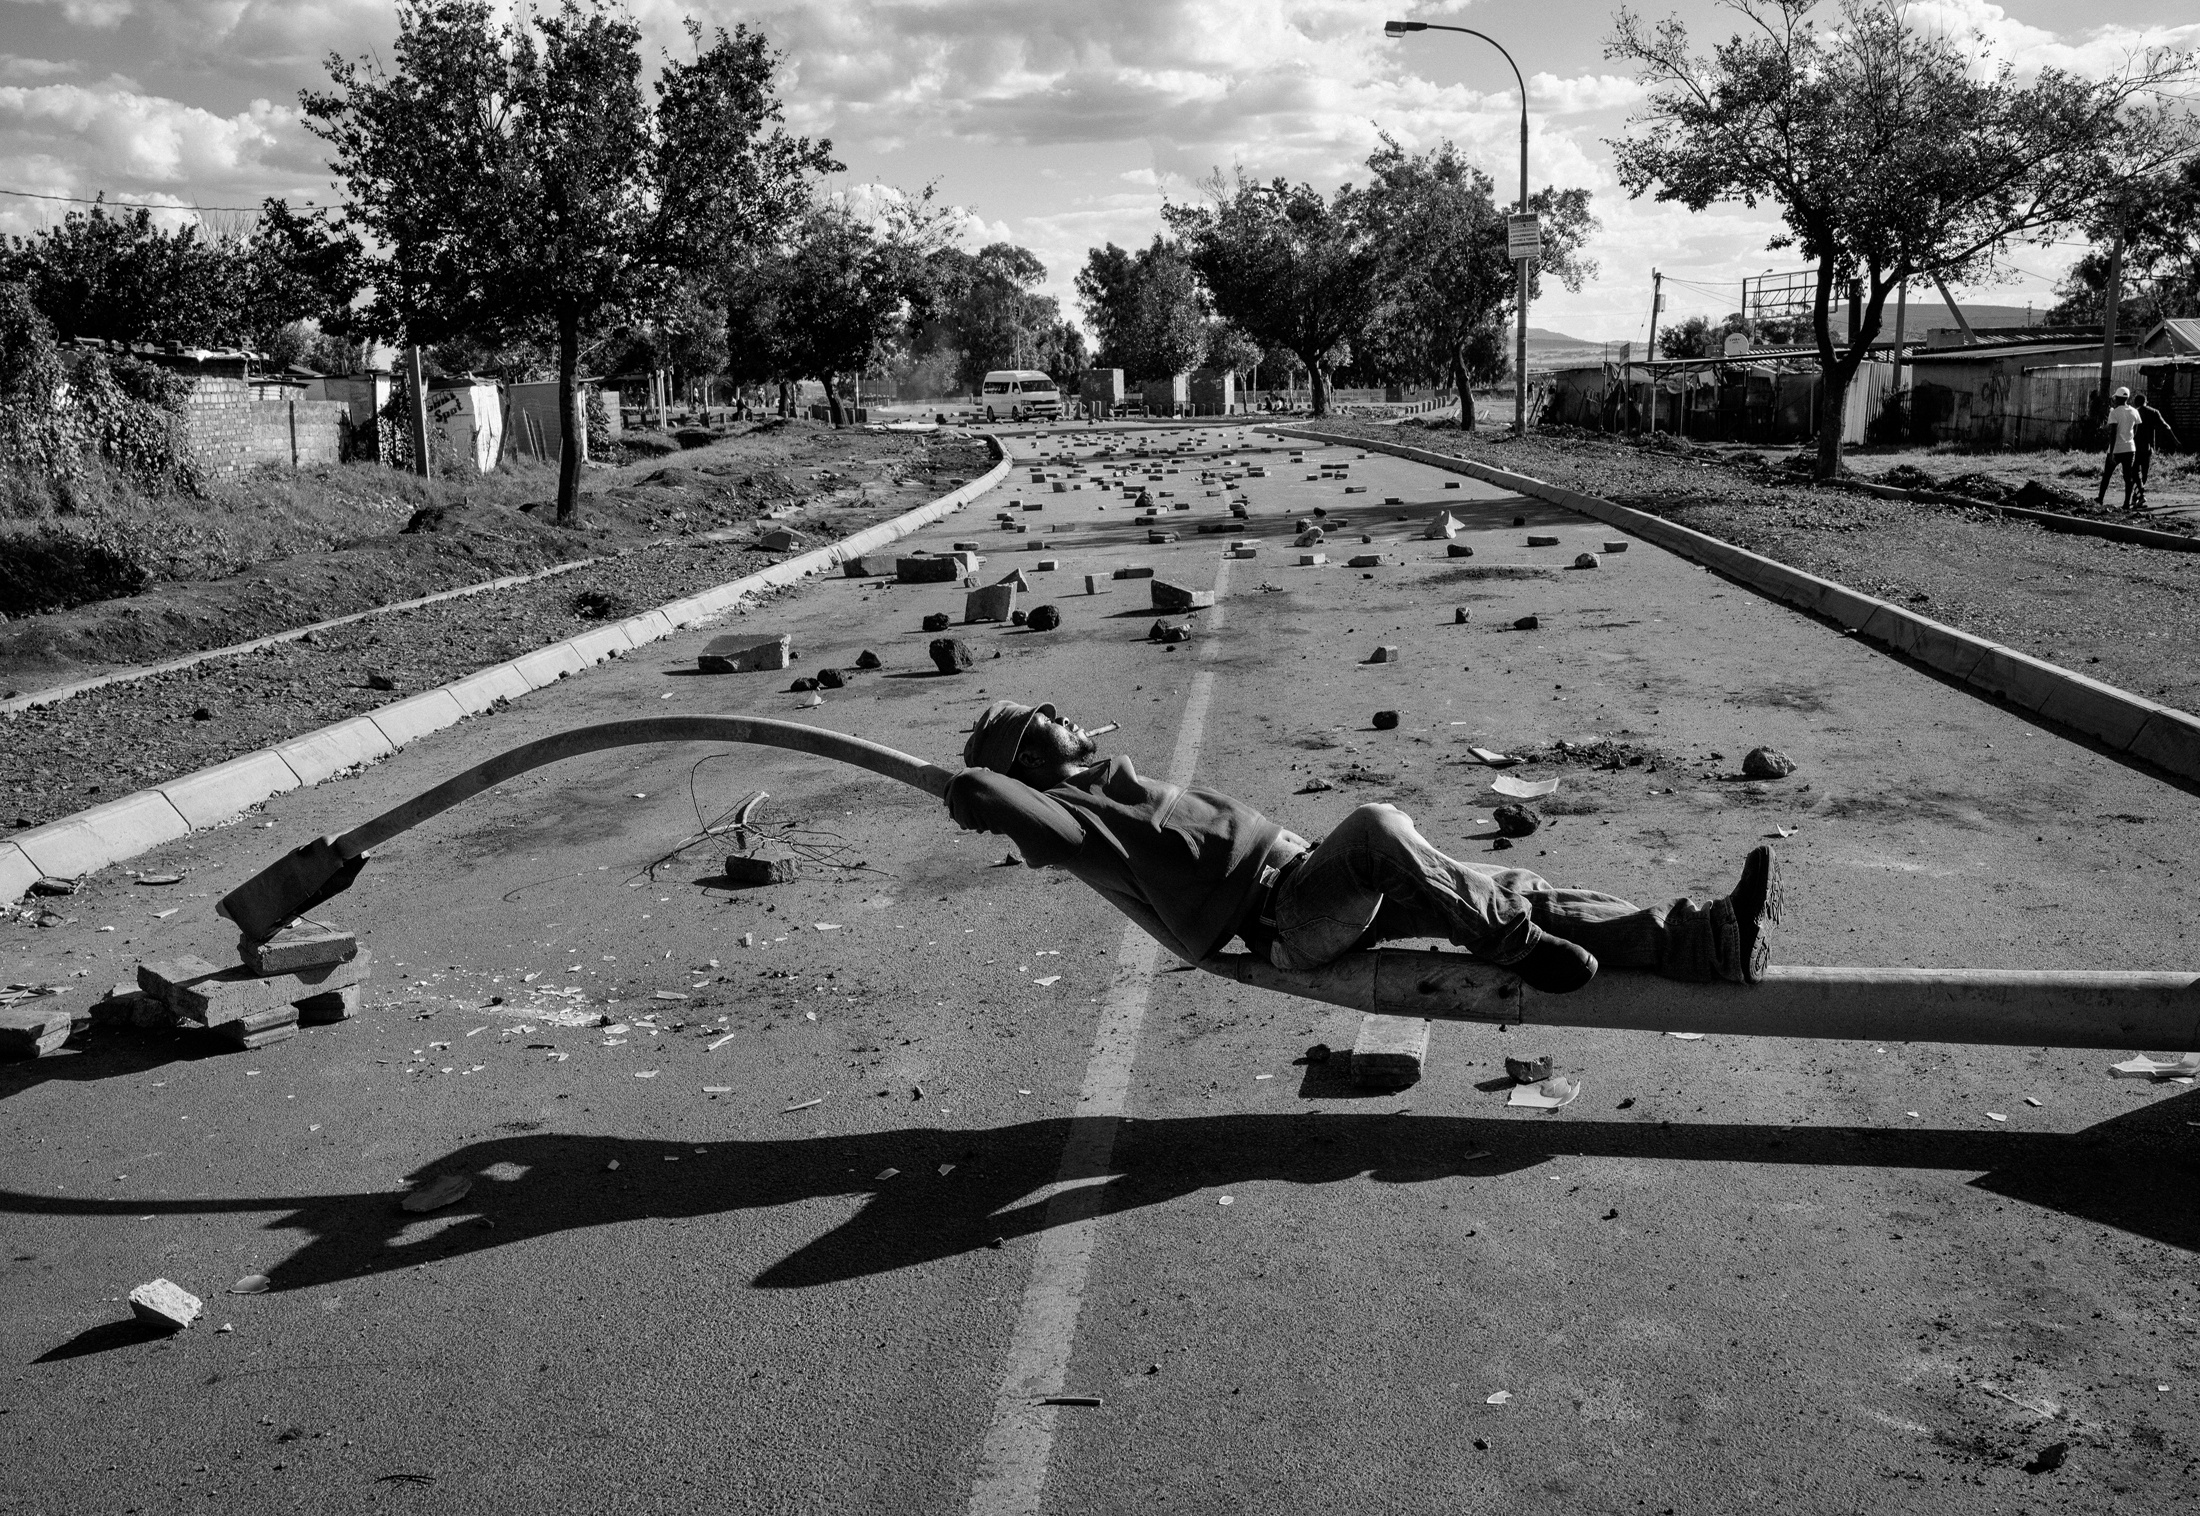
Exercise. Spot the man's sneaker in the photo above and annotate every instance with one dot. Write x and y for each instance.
(1555, 966)
(1756, 904)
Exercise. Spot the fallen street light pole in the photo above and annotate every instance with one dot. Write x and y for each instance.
(1992, 1007)
(2066, 1008)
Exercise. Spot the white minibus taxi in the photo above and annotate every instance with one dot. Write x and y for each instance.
(1017, 393)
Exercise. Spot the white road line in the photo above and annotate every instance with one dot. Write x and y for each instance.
(1012, 1466)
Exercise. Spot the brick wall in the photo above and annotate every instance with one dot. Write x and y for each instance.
(230, 431)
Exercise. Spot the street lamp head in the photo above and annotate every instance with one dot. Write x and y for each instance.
(1400, 28)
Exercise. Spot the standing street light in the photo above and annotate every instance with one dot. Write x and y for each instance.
(1523, 239)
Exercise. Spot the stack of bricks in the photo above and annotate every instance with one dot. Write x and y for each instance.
(34, 1031)
(309, 972)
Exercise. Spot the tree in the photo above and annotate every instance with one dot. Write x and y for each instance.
(1290, 268)
(986, 308)
(514, 180)
(2159, 219)
(1147, 309)
(1445, 279)
(119, 276)
(1890, 155)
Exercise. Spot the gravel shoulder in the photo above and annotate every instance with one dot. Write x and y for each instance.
(2124, 614)
(94, 747)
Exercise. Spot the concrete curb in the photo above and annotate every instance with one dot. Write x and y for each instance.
(60, 692)
(91, 840)
(2054, 521)
(2128, 724)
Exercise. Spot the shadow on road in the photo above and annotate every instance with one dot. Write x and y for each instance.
(2124, 1173)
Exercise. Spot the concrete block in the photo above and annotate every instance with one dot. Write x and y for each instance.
(604, 642)
(1134, 571)
(1244, 552)
(16, 873)
(1367, 560)
(218, 793)
(165, 1305)
(781, 540)
(1390, 1051)
(1015, 577)
(2024, 682)
(1312, 560)
(547, 665)
(195, 990)
(1155, 537)
(1443, 528)
(865, 567)
(269, 1026)
(1616, 545)
(301, 945)
(333, 749)
(1536, 539)
(1094, 585)
(481, 690)
(1046, 566)
(411, 720)
(996, 602)
(1387, 653)
(1458, 550)
(940, 570)
(746, 653)
(90, 840)
(336, 1005)
(1175, 597)
(34, 1031)
(752, 868)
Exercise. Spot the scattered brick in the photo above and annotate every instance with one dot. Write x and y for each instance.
(1175, 597)
(1162, 631)
(748, 868)
(1046, 566)
(335, 1006)
(165, 1305)
(1312, 560)
(1540, 539)
(996, 602)
(1367, 560)
(196, 991)
(1095, 585)
(780, 540)
(1134, 571)
(301, 945)
(26, 1032)
(1156, 537)
(928, 570)
(1459, 615)
(745, 653)
(1458, 550)
(1615, 547)
(1015, 577)
(1389, 1052)
(1387, 653)
(260, 1028)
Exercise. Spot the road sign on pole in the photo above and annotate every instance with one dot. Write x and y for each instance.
(1523, 238)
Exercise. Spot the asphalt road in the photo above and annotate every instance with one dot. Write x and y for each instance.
(934, 1136)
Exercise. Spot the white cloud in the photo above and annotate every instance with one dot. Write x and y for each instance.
(87, 139)
(97, 14)
(1587, 92)
(15, 69)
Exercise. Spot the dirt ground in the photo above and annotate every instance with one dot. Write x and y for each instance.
(126, 736)
(2124, 614)
(353, 537)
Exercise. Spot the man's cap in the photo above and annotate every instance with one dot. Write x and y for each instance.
(999, 734)
(2123, 392)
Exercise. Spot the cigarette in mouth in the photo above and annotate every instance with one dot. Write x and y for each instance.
(1102, 731)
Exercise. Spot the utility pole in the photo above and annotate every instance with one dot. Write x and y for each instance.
(1657, 303)
(2112, 296)
(1901, 320)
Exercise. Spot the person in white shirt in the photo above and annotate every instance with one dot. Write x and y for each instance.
(2123, 447)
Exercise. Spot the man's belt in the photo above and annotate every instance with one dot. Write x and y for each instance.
(1260, 912)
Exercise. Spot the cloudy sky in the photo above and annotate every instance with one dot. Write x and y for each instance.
(1058, 124)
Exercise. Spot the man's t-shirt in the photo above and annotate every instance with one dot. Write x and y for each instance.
(2125, 420)
(1181, 861)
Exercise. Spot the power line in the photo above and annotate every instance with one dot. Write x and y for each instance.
(134, 205)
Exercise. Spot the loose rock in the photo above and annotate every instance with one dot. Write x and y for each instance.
(1527, 623)
(1044, 618)
(1767, 763)
(1516, 820)
(950, 655)
(938, 621)
(1385, 720)
(163, 1304)
(869, 660)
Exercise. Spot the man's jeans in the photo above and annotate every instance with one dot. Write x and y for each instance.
(1376, 878)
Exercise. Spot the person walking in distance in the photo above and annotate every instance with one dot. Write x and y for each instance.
(1196, 868)
(2152, 432)
(2123, 448)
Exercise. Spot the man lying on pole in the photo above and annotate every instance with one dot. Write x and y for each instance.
(1196, 868)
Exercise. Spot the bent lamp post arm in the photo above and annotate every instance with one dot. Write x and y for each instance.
(1520, 267)
(2011, 1008)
